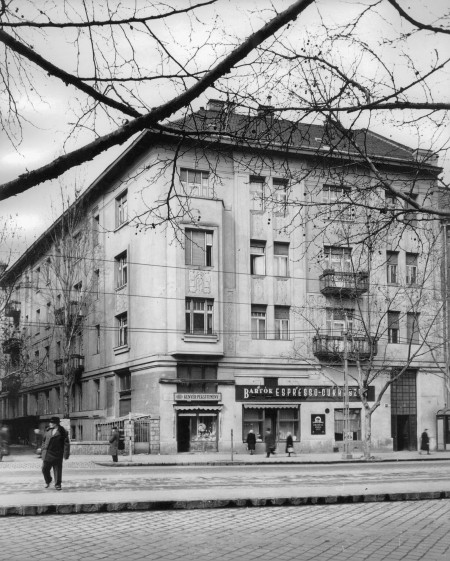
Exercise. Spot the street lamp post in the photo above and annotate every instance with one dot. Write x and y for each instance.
(346, 448)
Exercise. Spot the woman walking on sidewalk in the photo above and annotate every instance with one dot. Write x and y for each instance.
(425, 442)
(114, 444)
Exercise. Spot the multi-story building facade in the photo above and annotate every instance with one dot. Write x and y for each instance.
(284, 249)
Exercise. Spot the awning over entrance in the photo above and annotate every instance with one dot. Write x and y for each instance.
(198, 407)
(271, 405)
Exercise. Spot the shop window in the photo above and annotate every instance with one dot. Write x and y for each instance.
(121, 209)
(197, 378)
(281, 259)
(288, 421)
(198, 248)
(281, 322)
(354, 424)
(196, 183)
(258, 322)
(199, 316)
(253, 420)
(257, 258)
(393, 327)
(281, 420)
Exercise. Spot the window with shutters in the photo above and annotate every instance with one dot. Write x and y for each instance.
(394, 327)
(411, 268)
(281, 259)
(282, 322)
(392, 267)
(199, 248)
(257, 257)
(412, 328)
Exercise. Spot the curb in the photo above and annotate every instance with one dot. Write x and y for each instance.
(85, 508)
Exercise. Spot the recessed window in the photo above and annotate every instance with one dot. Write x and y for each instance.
(257, 192)
(392, 267)
(337, 203)
(199, 316)
(281, 259)
(257, 258)
(196, 182)
(338, 258)
(339, 320)
(121, 270)
(411, 268)
(280, 196)
(281, 322)
(412, 328)
(122, 329)
(259, 322)
(97, 339)
(121, 209)
(394, 327)
(198, 248)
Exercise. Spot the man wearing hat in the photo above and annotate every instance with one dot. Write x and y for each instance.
(55, 447)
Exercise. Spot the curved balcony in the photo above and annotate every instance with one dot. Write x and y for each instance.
(344, 284)
(331, 347)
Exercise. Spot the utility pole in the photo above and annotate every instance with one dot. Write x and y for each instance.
(346, 451)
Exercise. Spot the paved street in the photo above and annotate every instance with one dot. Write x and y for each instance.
(375, 531)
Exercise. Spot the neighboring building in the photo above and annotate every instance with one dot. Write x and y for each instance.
(232, 319)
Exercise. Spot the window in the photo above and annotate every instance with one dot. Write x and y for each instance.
(122, 329)
(38, 278)
(95, 229)
(47, 270)
(280, 196)
(58, 349)
(354, 424)
(96, 284)
(412, 328)
(338, 203)
(393, 327)
(124, 394)
(96, 394)
(198, 248)
(97, 339)
(196, 182)
(338, 258)
(411, 217)
(391, 200)
(121, 270)
(197, 378)
(392, 267)
(288, 422)
(257, 192)
(47, 358)
(49, 307)
(258, 322)
(199, 316)
(281, 259)
(121, 209)
(339, 320)
(78, 288)
(38, 321)
(281, 420)
(257, 258)
(411, 268)
(281, 322)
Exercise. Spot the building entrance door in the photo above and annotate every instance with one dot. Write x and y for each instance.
(183, 433)
(405, 437)
(404, 411)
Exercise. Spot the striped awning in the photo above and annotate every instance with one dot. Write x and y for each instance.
(271, 405)
(197, 407)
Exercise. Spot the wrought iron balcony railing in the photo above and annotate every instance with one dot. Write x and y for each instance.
(331, 347)
(75, 364)
(339, 283)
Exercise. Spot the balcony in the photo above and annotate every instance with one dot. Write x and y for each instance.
(75, 365)
(74, 312)
(343, 284)
(12, 310)
(331, 347)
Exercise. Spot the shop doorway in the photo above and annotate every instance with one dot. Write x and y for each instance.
(183, 433)
(271, 420)
(405, 432)
(404, 411)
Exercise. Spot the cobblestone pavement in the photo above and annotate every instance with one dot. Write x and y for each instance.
(375, 532)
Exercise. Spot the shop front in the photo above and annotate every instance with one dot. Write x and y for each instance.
(197, 422)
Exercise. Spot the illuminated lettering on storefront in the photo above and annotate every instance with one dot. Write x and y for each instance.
(300, 393)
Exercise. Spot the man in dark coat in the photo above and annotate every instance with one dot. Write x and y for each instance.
(251, 441)
(425, 442)
(114, 443)
(269, 440)
(55, 447)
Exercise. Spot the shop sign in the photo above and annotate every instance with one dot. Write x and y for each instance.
(318, 424)
(299, 393)
(197, 396)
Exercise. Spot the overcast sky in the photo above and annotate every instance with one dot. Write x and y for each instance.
(43, 140)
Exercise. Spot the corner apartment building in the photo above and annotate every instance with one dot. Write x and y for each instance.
(232, 316)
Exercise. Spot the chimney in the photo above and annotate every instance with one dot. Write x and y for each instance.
(215, 105)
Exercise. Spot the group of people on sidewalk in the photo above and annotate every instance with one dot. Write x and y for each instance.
(270, 443)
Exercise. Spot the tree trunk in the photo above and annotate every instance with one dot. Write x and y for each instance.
(368, 434)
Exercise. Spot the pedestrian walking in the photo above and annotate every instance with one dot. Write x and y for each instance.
(251, 441)
(425, 442)
(38, 442)
(289, 444)
(269, 440)
(55, 448)
(114, 443)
